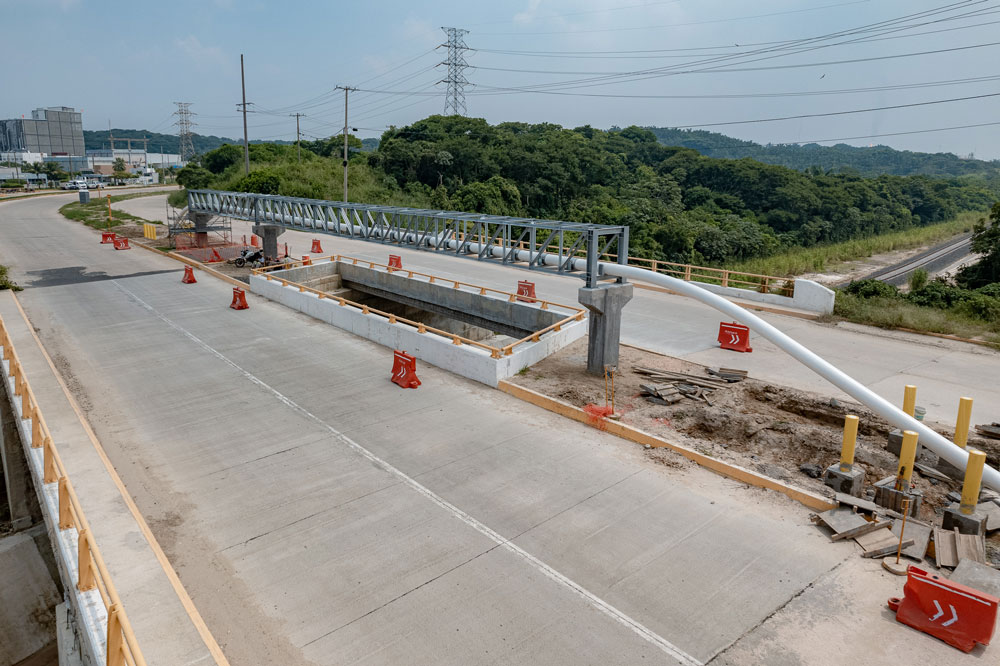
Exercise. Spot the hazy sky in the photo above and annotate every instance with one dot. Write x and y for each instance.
(127, 62)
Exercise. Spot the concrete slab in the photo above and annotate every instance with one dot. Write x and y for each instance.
(28, 597)
(274, 460)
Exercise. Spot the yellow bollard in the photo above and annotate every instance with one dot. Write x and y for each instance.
(964, 419)
(907, 456)
(909, 399)
(973, 480)
(849, 441)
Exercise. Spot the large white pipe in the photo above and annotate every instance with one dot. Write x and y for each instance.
(940, 445)
(932, 440)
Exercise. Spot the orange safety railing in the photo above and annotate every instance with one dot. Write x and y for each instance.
(122, 646)
(576, 314)
(691, 273)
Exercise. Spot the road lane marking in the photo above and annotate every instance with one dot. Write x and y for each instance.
(595, 601)
(175, 582)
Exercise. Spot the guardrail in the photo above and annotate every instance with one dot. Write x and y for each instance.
(577, 314)
(690, 273)
(122, 648)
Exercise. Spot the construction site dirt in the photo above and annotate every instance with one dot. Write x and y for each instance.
(787, 434)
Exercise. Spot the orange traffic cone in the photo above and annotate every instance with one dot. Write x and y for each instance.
(188, 276)
(316, 248)
(239, 299)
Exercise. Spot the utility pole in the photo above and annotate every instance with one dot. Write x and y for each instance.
(246, 140)
(298, 137)
(455, 97)
(346, 90)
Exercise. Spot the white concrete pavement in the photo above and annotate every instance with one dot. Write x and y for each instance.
(885, 361)
(319, 514)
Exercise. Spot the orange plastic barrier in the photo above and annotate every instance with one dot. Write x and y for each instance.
(959, 615)
(404, 370)
(395, 262)
(316, 247)
(121, 244)
(188, 275)
(253, 241)
(239, 299)
(107, 237)
(734, 336)
(526, 291)
(306, 261)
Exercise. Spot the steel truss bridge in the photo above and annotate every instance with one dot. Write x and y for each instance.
(563, 247)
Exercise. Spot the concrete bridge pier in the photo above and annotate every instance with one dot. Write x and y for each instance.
(269, 233)
(605, 304)
(201, 221)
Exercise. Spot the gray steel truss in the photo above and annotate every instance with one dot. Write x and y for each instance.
(563, 247)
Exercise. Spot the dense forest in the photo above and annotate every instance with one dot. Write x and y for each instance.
(680, 205)
(868, 161)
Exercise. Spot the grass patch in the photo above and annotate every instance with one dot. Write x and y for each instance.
(897, 313)
(6, 282)
(95, 213)
(828, 257)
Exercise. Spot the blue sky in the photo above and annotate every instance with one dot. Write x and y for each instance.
(127, 62)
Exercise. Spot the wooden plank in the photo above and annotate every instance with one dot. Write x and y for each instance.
(869, 526)
(970, 547)
(919, 532)
(858, 503)
(841, 519)
(992, 512)
(880, 543)
(930, 472)
(945, 550)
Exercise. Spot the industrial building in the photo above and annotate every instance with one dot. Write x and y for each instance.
(56, 130)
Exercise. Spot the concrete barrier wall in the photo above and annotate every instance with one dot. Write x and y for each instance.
(809, 295)
(464, 360)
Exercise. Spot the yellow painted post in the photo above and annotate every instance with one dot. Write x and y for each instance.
(65, 515)
(973, 480)
(115, 656)
(85, 580)
(964, 419)
(109, 211)
(49, 473)
(909, 399)
(848, 443)
(907, 455)
(36, 429)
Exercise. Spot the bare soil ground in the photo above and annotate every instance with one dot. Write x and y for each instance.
(859, 268)
(775, 430)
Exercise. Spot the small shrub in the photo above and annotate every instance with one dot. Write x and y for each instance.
(918, 279)
(262, 181)
(5, 282)
(980, 306)
(871, 289)
(991, 290)
(938, 294)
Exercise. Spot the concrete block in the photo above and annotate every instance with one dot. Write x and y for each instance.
(28, 597)
(851, 482)
(887, 496)
(948, 469)
(973, 523)
(977, 576)
(895, 444)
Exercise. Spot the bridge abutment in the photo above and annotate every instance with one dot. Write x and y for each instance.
(269, 234)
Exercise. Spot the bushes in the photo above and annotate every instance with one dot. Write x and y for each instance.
(5, 282)
(872, 289)
(223, 157)
(262, 181)
(980, 306)
(938, 294)
(918, 279)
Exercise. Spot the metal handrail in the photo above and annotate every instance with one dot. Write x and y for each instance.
(495, 352)
(122, 647)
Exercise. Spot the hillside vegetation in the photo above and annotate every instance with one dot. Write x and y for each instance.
(680, 205)
(867, 161)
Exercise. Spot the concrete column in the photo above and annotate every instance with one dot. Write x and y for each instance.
(24, 510)
(269, 233)
(605, 304)
(201, 221)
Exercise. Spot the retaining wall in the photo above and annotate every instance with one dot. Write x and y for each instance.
(465, 360)
(809, 295)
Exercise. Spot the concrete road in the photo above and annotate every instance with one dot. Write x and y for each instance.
(318, 514)
(885, 361)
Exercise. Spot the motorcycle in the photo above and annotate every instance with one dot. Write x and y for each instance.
(250, 255)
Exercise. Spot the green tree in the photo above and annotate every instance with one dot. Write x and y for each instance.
(223, 157)
(986, 243)
(120, 165)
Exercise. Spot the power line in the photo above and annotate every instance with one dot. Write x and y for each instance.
(874, 136)
(455, 97)
(839, 113)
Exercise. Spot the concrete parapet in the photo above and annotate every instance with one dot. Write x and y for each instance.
(808, 295)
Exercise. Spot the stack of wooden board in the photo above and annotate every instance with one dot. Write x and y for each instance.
(991, 430)
(668, 387)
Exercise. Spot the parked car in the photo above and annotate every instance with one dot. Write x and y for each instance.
(69, 185)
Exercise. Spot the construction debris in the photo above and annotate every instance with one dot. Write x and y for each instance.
(919, 532)
(880, 543)
(671, 386)
(992, 430)
(847, 524)
(977, 576)
(951, 547)
(731, 375)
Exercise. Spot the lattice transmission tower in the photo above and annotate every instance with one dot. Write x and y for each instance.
(184, 125)
(455, 98)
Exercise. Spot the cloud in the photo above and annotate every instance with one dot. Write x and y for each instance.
(192, 47)
(529, 14)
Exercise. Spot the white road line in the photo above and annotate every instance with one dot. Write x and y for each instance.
(595, 601)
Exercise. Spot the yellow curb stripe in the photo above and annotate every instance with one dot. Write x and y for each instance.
(809, 499)
(185, 599)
